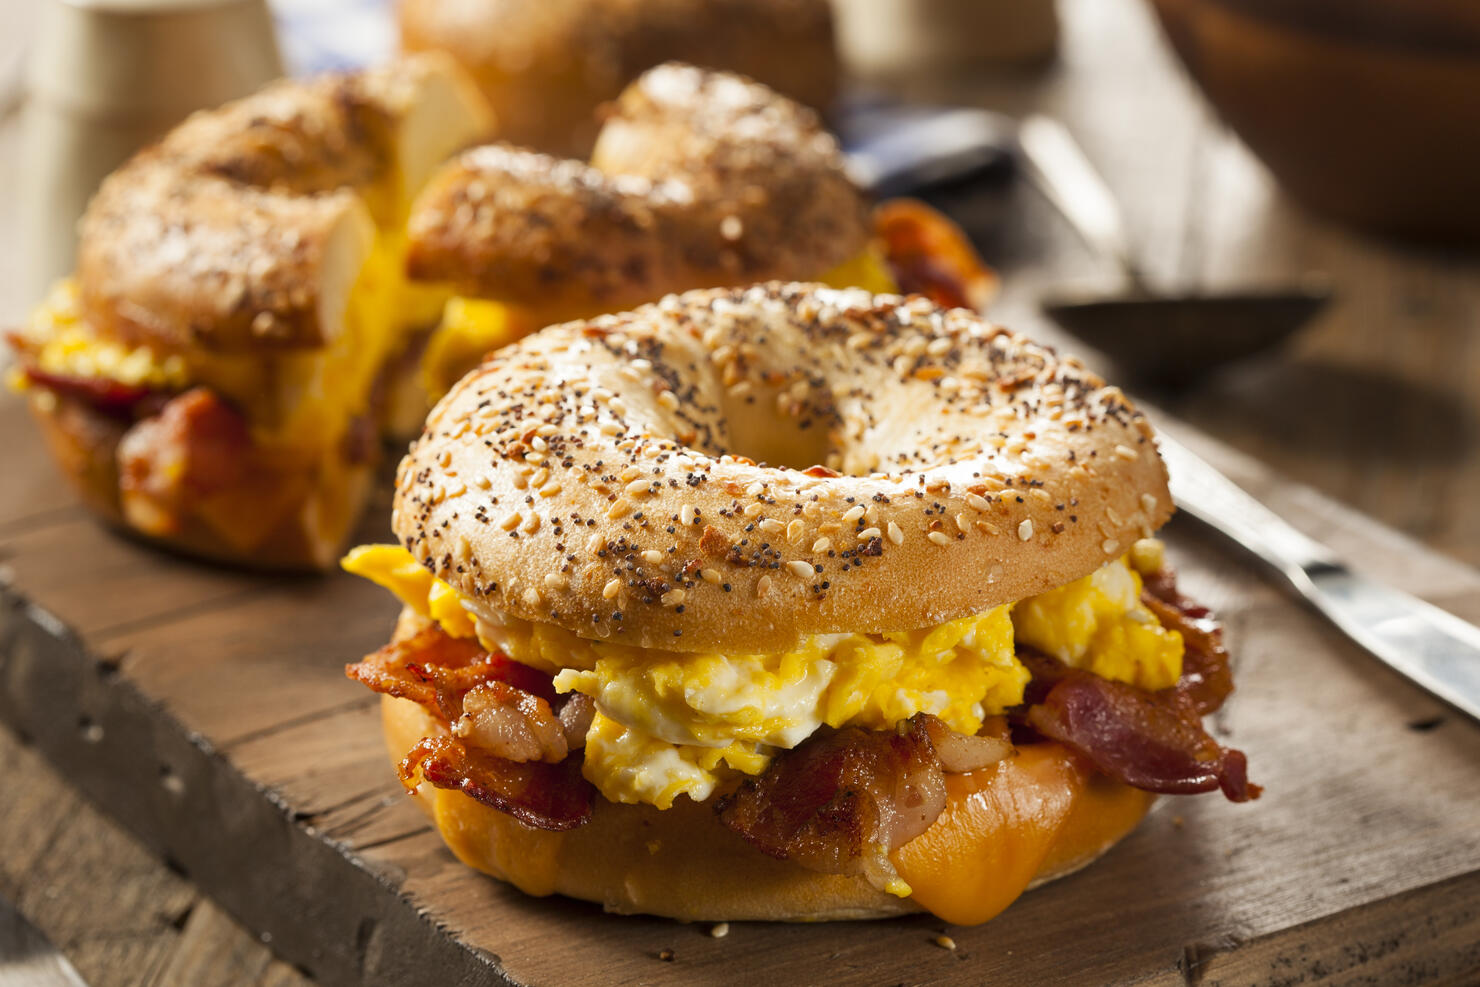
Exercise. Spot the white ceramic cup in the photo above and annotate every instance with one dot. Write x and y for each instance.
(106, 77)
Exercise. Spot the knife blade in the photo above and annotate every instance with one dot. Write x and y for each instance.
(1431, 647)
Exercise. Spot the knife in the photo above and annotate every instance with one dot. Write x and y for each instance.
(27, 957)
(1431, 647)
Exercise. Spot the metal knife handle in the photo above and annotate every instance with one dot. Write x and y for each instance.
(1433, 648)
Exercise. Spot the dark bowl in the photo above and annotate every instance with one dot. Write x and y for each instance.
(1365, 110)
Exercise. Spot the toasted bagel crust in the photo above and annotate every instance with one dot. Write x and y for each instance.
(546, 65)
(246, 226)
(699, 179)
(593, 476)
(681, 862)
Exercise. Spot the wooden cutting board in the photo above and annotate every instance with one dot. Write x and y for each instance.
(207, 710)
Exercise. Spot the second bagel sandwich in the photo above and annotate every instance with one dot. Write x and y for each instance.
(282, 281)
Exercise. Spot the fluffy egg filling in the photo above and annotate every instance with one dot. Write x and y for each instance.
(676, 723)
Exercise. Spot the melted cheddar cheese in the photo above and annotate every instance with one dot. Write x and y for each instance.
(677, 723)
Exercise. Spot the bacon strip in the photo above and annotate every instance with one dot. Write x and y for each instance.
(1138, 738)
(546, 796)
(506, 747)
(109, 397)
(1153, 741)
(437, 671)
(839, 802)
(930, 255)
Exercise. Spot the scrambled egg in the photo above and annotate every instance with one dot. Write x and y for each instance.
(67, 346)
(673, 723)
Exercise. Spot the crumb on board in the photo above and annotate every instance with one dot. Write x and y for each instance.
(1177, 821)
(666, 955)
(720, 930)
(944, 942)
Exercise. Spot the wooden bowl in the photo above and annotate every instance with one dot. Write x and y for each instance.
(1366, 110)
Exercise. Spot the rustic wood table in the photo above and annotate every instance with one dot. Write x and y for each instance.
(1377, 405)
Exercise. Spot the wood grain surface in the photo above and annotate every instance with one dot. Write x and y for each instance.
(1377, 405)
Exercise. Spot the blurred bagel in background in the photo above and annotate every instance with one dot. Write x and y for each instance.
(546, 65)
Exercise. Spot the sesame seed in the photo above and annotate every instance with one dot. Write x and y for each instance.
(636, 488)
(978, 503)
(800, 569)
(869, 534)
(853, 514)
(795, 530)
(672, 598)
(539, 444)
(763, 585)
(532, 597)
(1127, 453)
(1025, 529)
(546, 430)
(541, 476)
(482, 482)
(620, 508)
(611, 589)
(895, 534)
(1112, 515)
(550, 490)
(710, 576)
(752, 510)
(511, 521)
(531, 525)
(1148, 503)
(770, 525)
(554, 580)
(652, 556)
(939, 537)
(1110, 546)
(686, 514)
(944, 942)
(821, 545)
(668, 401)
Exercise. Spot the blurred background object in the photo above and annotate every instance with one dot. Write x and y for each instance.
(1366, 110)
(546, 65)
(104, 78)
(900, 37)
(1168, 337)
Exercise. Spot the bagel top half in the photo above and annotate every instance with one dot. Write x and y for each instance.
(737, 469)
(698, 179)
(246, 227)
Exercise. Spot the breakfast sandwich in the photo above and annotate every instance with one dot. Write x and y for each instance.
(789, 602)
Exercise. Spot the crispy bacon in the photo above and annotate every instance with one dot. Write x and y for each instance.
(437, 671)
(546, 796)
(1153, 741)
(1206, 678)
(512, 723)
(109, 397)
(839, 802)
(1141, 739)
(196, 445)
(929, 255)
(506, 747)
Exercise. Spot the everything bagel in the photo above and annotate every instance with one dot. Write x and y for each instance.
(699, 179)
(789, 602)
(546, 65)
(738, 469)
(215, 374)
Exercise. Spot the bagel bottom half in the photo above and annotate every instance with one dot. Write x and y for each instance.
(1023, 822)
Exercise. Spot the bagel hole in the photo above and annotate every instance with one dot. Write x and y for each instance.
(758, 430)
